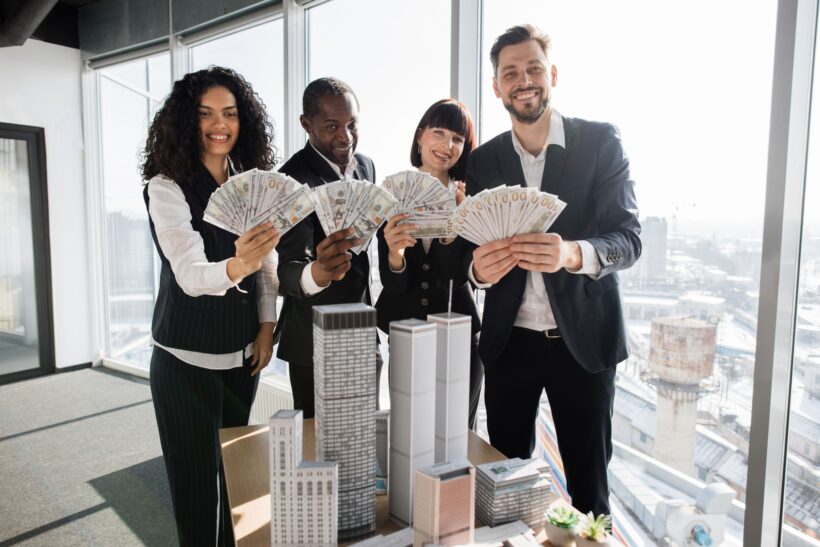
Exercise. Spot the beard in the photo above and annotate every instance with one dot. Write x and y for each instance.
(532, 115)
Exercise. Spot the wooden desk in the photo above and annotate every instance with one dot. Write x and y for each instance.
(245, 458)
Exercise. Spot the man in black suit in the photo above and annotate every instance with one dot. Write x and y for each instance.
(314, 269)
(552, 316)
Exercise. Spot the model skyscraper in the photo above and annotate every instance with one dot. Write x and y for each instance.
(444, 504)
(510, 490)
(452, 384)
(412, 409)
(303, 493)
(344, 358)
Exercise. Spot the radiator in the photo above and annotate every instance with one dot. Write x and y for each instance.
(272, 394)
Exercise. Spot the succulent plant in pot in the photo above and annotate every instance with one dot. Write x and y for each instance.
(561, 526)
(595, 531)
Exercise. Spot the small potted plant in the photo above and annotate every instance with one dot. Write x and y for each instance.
(561, 526)
(595, 531)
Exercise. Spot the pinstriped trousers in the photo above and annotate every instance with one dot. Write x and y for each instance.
(191, 404)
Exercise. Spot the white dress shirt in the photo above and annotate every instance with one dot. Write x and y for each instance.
(309, 285)
(535, 312)
(185, 250)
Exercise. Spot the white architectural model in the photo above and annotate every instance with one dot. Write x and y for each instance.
(452, 384)
(513, 533)
(512, 490)
(412, 410)
(344, 359)
(303, 493)
(402, 538)
(444, 504)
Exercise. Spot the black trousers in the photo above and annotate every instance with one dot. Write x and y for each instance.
(192, 404)
(581, 404)
(301, 386)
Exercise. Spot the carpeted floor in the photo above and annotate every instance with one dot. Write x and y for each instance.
(80, 463)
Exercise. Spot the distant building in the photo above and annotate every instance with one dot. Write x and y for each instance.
(702, 306)
(652, 264)
(444, 504)
(412, 410)
(344, 357)
(304, 501)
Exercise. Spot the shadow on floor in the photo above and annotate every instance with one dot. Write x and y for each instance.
(140, 496)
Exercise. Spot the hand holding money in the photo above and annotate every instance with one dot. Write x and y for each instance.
(493, 260)
(546, 252)
(251, 248)
(333, 257)
(398, 238)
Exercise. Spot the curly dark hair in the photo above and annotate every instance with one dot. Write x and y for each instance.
(174, 145)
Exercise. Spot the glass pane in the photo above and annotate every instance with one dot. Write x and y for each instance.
(125, 111)
(679, 89)
(19, 344)
(264, 69)
(801, 500)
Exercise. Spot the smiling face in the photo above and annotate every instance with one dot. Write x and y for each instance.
(334, 130)
(524, 81)
(218, 121)
(440, 149)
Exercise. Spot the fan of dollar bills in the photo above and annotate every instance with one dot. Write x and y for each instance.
(504, 212)
(250, 198)
(428, 202)
(356, 204)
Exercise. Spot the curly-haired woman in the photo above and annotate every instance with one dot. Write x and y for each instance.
(215, 311)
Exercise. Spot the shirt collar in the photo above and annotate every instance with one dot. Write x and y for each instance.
(350, 169)
(555, 136)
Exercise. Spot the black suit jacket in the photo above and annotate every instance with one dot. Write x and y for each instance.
(592, 176)
(298, 247)
(423, 286)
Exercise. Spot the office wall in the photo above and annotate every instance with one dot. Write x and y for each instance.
(41, 87)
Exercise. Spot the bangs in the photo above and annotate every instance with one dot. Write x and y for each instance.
(448, 115)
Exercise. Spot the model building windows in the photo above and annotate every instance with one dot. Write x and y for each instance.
(330, 488)
(299, 489)
(282, 491)
(310, 488)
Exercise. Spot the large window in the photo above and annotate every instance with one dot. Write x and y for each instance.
(130, 93)
(691, 96)
(256, 54)
(801, 500)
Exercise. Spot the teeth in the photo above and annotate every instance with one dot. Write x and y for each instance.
(219, 138)
(525, 96)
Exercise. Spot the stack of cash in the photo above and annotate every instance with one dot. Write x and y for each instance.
(253, 197)
(511, 490)
(504, 212)
(428, 202)
(356, 204)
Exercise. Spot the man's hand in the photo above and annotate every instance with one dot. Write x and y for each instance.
(546, 252)
(493, 260)
(262, 348)
(333, 257)
(251, 248)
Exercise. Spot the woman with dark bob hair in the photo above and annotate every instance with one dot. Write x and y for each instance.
(416, 274)
(215, 310)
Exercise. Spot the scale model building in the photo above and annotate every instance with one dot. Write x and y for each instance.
(511, 490)
(344, 359)
(444, 504)
(512, 534)
(412, 410)
(454, 332)
(304, 500)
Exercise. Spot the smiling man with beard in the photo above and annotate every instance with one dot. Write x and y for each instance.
(552, 315)
(315, 270)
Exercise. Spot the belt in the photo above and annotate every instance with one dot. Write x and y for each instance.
(552, 333)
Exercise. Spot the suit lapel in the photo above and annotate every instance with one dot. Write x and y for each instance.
(361, 172)
(510, 162)
(554, 164)
(319, 166)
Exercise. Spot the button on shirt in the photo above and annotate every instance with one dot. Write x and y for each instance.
(195, 275)
(535, 311)
(309, 285)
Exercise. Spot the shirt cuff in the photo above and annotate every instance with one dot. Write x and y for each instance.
(473, 279)
(217, 276)
(400, 270)
(309, 285)
(589, 260)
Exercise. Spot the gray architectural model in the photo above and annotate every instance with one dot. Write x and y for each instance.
(344, 359)
(512, 490)
(412, 409)
(304, 501)
(454, 332)
(444, 504)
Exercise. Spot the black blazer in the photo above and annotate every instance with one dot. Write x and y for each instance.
(592, 176)
(298, 247)
(423, 286)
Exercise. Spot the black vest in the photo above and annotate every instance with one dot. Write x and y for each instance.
(207, 324)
